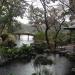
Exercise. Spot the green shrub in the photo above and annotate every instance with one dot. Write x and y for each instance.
(39, 47)
(25, 49)
(40, 36)
(12, 53)
(8, 52)
(8, 40)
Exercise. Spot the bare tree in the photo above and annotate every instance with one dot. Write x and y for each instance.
(53, 19)
(43, 2)
(36, 17)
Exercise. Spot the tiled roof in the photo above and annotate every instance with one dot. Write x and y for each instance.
(26, 29)
(70, 27)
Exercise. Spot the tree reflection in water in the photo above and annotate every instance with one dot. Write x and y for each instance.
(43, 65)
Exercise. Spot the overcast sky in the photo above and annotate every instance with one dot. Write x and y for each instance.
(37, 3)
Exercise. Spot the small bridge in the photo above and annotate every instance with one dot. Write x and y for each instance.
(19, 34)
(25, 30)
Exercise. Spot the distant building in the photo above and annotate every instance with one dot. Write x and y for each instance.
(72, 10)
(72, 5)
(72, 20)
(25, 35)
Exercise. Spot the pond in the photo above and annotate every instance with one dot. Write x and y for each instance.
(61, 67)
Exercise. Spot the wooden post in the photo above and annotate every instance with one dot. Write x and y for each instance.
(18, 36)
(28, 37)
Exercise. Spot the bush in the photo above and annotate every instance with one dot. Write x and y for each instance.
(39, 47)
(13, 53)
(40, 36)
(8, 40)
(8, 52)
(25, 49)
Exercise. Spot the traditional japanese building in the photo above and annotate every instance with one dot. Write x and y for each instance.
(72, 10)
(25, 35)
(71, 27)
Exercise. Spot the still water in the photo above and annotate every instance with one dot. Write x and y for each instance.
(61, 67)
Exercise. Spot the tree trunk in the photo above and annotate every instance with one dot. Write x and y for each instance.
(55, 41)
(46, 23)
(46, 37)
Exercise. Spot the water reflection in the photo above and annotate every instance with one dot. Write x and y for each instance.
(61, 67)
